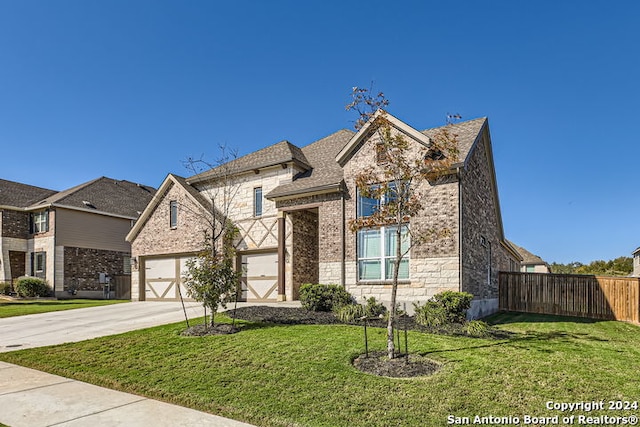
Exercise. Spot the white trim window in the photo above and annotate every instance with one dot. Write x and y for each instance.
(257, 202)
(377, 253)
(173, 214)
(40, 222)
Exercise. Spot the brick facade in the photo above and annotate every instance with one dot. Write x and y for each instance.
(319, 246)
(15, 224)
(304, 249)
(82, 267)
(433, 265)
(157, 237)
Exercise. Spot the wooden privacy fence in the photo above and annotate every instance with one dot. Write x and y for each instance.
(596, 297)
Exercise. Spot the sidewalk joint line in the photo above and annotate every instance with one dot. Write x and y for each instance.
(98, 412)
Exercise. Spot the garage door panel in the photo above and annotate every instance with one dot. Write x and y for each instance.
(260, 277)
(163, 276)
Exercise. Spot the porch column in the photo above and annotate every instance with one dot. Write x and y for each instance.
(282, 244)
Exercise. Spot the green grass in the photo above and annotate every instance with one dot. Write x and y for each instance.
(20, 308)
(302, 375)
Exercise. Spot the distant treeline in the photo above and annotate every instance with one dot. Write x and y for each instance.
(622, 266)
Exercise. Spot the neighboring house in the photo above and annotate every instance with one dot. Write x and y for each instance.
(531, 263)
(68, 238)
(636, 263)
(292, 209)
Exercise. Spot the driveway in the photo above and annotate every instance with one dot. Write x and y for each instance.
(32, 398)
(38, 330)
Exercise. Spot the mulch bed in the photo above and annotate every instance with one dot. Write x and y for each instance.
(204, 330)
(378, 363)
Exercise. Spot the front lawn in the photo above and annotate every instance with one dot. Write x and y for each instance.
(301, 375)
(22, 307)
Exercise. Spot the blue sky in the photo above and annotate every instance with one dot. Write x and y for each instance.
(129, 89)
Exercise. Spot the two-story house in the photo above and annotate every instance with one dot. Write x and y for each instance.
(292, 207)
(73, 239)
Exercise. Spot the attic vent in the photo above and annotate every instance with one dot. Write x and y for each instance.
(434, 154)
(88, 204)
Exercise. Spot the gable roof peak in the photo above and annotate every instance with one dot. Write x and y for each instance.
(272, 155)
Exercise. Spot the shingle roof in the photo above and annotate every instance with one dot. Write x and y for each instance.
(281, 152)
(104, 195)
(528, 257)
(21, 195)
(325, 171)
(318, 159)
(466, 133)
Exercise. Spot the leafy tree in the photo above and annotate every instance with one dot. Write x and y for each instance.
(211, 277)
(398, 181)
(621, 266)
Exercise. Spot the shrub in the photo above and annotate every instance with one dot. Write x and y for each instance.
(319, 297)
(32, 287)
(477, 328)
(430, 314)
(5, 288)
(375, 308)
(350, 312)
(445, 307)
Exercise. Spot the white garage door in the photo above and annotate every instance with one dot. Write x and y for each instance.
(163, 279)
(260, 277)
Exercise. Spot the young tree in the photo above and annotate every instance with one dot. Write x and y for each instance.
(396, 183)
(211, 277)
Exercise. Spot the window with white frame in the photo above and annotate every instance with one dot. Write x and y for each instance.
(376, 248)
(377, 253)
(173, 214)
(257, 201)
(39, 222)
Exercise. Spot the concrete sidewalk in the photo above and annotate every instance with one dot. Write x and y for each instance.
(32, 398)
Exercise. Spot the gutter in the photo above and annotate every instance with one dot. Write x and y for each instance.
(313, 191)
(73, 208)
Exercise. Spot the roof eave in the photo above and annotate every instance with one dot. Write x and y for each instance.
(312, 191)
